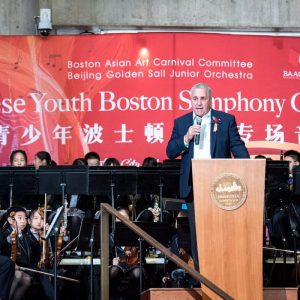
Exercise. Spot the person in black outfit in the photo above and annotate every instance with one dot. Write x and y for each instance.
(286, 219)
(15, 243)
(7, 272)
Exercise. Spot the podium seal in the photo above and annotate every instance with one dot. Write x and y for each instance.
(229, 191)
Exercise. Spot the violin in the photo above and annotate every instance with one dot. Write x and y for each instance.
(130, 257)
(14, 246)
(14, 240)
(45, 261)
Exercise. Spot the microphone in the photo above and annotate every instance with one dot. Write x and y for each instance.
(197, 136)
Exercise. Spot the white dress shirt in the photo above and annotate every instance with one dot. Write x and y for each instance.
(203, 149)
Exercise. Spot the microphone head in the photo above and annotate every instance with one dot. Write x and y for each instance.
(198, 120)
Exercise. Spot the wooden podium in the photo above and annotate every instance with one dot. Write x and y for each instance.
(229, 203)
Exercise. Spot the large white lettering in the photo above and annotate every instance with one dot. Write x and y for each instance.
(109, 102)
(240, 103)
(9, 106)
(294, 103)
(42, 103)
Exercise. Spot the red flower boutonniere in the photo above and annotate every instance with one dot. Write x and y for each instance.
(216, 122)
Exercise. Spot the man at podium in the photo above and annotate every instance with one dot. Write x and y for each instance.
(202, 133)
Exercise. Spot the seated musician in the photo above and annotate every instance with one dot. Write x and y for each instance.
(14, 243)
(177, 277)
(125, 264)
(286, 219)
(18, 158)
(43, 260)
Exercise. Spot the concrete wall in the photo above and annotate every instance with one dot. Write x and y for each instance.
(255, 15)
(17, 16)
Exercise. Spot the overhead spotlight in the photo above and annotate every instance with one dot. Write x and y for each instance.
(44, 24)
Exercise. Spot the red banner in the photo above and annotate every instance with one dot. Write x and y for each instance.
(118, 94)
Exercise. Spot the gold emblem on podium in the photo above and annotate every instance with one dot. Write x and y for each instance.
(228, 191)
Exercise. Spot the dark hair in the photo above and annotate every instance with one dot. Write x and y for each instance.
(293, 154)
(259, 156)
(12, 155)
(79, 162)
(44, 155)
(111, 161)
(14, 210)
(91, 155)
(33, 211)
(149, 162)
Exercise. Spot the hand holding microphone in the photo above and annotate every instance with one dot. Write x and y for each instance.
(194, 132)
(197, 135)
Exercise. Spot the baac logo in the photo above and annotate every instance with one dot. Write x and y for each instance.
(291, 74)
(293, 60)
(228, 191)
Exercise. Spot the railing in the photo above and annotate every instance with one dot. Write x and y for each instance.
(106, 210)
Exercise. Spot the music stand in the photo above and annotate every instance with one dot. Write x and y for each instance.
(51, 180)
(53, 231)
(5, 185)
(55, 223)
(111, 180)
(296, 181)
(89, 239)
(124, 236)
(99, 181)
(76, 179)
(15, 181)
(86, 234)
(125, 180)
(170, 179)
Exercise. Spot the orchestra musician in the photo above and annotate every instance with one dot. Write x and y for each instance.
(36, 234)
(18, 158)
(92, 159)
(125, 263)
(14, 243)
(286, 219)
(177, 277)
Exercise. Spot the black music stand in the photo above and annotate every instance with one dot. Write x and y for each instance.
(89, 233)
(76, 179)
(53, 231)
(63, 179)
(296, 181)
(124, 236)
(170, 179)
(17, 181)
(112, 180)
(89, 239)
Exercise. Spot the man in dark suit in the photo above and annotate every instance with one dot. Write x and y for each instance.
(203, 133)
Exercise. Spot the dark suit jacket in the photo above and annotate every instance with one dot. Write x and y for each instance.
(225, 142)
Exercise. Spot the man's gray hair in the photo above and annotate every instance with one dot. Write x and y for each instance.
(202, 86)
